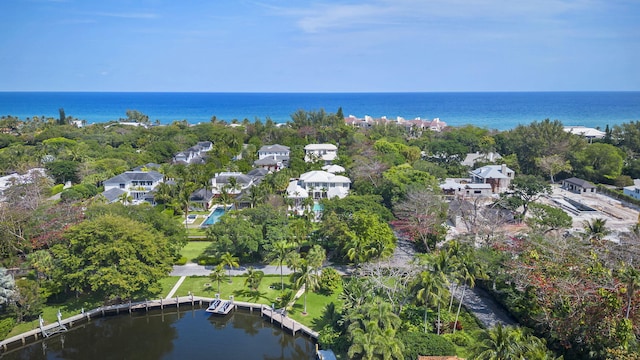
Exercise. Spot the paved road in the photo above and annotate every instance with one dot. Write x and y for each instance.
(191, 269)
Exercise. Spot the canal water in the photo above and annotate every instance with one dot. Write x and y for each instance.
(192, 334)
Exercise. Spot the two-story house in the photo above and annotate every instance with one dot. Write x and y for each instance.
(498, 176)
(137, 184)
(194, 154)
(273, 157)
(324, 153)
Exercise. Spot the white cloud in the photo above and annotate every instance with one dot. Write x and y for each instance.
(325, 17)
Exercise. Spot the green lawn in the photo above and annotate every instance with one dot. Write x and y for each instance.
(193, 249)
(267, 293)
(315, 308)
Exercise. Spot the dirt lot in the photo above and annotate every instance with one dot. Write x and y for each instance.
(619, 218)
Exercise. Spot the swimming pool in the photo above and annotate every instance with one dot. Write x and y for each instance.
(318, 207)
(214, 216)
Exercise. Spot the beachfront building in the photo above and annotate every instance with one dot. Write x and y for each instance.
(324, 153)
(498, 176)
(415, 126)
(132, 187)
(194, 154)
(633, 190)
(586, 132)
(273, 157)
(578, 186)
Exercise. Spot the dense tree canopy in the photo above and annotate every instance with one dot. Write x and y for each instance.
(113, 256)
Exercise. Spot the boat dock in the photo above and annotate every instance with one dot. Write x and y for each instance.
(192, 301)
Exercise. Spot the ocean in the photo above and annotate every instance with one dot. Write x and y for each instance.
(492, 110)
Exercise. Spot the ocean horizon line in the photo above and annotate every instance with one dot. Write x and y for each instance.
(321, 92)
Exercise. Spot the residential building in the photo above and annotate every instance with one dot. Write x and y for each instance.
(472, 158)
(324, 153)
(578, 186)
(585, 132)
(273, 157)
(633, 190)
(320, 184)
(194, 154)
(498, 176)
(233, 182)
(334, 169)
(137, 184)
(455, 188)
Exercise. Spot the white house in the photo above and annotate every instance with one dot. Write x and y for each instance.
(233, 182)
(585, 132)
(325, 153)
(194, 154)
(460, 189)
(14, 179)
(321, 184)
(498, 176)
(272, 157)
(578, 186)
(136, 184)
(334, 169)
(633, 190)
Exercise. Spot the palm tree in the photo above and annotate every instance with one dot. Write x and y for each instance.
(229, 260)
(630, 276)
(217, 274)
(279, 251)
(443, 267)
(500, 343)
(307, 278)
(596, 229)
(125, 198)
(316, 257)
(364, 342)
(428, 287)
(254, 278)
(470, 270)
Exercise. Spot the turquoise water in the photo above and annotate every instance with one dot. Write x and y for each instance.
(494, 110)
(318, 207)
(213, 217)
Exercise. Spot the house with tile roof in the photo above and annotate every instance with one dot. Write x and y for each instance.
(193, 155)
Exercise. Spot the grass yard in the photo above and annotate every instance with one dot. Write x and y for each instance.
(267, 293)
(193, 249)
(315, 308)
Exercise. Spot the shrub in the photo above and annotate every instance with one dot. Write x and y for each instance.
(416, 343)
(6, 325)
(183, 260)
(330, 281)
(460, 338)
(56, 189)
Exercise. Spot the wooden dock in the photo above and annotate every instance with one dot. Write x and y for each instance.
(177, 302)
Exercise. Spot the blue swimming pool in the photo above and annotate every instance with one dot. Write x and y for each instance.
(318, 207)
(214, 216)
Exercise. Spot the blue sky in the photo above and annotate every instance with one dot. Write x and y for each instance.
(319, 46)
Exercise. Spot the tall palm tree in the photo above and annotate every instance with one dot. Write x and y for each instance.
(279, 252)
(307, 278)
(217, 274)
(428, 287)
(316, 257)
(229, 260)
(364, 342)
(125, 198)
(470, 270)
(443, 267)
(630, 276)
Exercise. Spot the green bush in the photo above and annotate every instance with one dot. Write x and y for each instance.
(460, 338)
(329, 338)
(330, 281)
(183, 260)
(6, 325)
(426, 344)
(56, 189)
